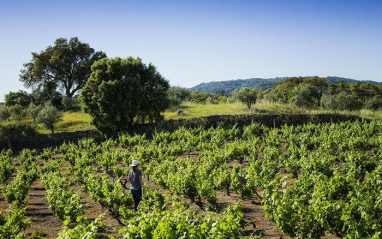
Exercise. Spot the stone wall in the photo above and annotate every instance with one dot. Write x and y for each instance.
(41, 141)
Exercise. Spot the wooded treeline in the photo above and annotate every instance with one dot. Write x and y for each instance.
(120, 93)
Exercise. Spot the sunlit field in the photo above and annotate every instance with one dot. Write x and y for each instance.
(191, 110)
(71, 121)
(79, 121)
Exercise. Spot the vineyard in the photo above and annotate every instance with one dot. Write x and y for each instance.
(308, 181)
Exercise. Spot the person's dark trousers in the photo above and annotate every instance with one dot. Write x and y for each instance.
(137, 196)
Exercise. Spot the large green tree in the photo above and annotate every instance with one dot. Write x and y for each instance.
(65, 67)
(121, 92)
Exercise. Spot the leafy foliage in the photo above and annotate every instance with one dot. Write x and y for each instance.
(227, 87)
(64, 203)
(341, 101)
(66, 65)
(5, 113)
(13, 224)
(121, 92)
(33, 111)
(246, 96)
(16, 129)
(313, 180)
(303, 97)
(49, 115)
(6, 166)
(85, 228)
(17, 112)
(21, 98)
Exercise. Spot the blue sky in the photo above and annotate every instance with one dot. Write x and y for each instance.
(191, 42)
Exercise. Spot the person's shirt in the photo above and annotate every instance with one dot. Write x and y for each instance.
(134, 178)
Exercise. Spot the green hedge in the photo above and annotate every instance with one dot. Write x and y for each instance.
(17, 129)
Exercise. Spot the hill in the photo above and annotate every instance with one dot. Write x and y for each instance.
(228, 86)
(260, 83)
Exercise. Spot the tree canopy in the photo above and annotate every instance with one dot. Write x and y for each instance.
(121, 92)
(303, 96)
(65, 67)
(18, 98)
(246, 95)
(341, 101)
(49, 116)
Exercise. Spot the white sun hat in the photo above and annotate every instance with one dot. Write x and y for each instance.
(134, 163)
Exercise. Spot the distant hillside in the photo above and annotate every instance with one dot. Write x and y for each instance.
(228, 86)
(335, 79)
(260, 83)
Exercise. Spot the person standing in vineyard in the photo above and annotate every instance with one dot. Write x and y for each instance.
(135, 177)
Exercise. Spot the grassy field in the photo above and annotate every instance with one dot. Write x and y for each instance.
(76, 121)
(199, 110)
(79, 121)
(71, 121)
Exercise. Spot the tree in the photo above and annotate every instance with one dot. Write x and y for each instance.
(176, 95)
(122, 92)
(272, 96)
(358, 91)
(222, 99)
(179, 92)
(343, 86)
(199, 97)
(303, 97)
(47, 96)
(18, 98)
(173, 102)
(374, 103)
(246, 96)
(341, 101)
(5, 113)
(65, 66)
(332, 89)
(211, 100)
(49, 115)
(70, 103)
(33, 111)
(17, 112)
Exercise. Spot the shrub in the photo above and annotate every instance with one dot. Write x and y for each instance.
(70, 103)
(49, 115)
(341, 101)
(33, 111)
(211, 100)
(17, 112)
(16, 130)
(5, 114)
(374, 103)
